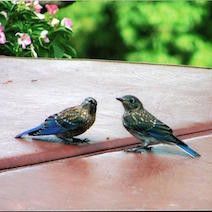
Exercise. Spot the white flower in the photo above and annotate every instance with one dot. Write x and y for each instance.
(43, 35)
(40, 16)
(15, 1)
(24, 39)
(54, 22)
(4, 14)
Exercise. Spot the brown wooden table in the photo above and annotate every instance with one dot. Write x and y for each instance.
(31, 89)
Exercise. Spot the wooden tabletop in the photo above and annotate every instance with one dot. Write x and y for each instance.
(32, 89)
(114, 181)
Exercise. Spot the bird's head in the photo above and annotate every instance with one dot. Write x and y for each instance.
(130, 102)
(90, 104)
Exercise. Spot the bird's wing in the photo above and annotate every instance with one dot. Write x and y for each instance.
(161, 131)
(66, 120)
(146, 123)
(50, 126)
(71, 118)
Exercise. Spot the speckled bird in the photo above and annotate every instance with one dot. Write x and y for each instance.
(147, 128)
(68, 123)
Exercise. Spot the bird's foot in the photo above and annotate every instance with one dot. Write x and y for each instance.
(75, 141)
(67, 141)
(148, 148)
(138, 149)
(80, 141)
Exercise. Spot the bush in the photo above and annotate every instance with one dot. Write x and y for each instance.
(24, 31)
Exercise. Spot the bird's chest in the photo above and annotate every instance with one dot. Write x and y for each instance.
(89, 119)
(145, 138)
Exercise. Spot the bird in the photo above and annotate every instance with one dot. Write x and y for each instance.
(147, 128)
(68, 123)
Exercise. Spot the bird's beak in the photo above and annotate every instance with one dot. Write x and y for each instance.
(120, 99)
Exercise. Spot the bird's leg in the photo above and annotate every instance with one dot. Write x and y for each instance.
(71, 140)
(81, 141)
(66, 140)
(147, 148)
(134, 149)
(139, 149)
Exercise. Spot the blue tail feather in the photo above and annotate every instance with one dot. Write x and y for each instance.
(29, 131)
(49, 127)
(188, 150)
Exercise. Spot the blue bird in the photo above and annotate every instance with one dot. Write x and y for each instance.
(147, 128)
(68, 123)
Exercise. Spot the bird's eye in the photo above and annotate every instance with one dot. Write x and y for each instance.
(132, 100)
(92, 101)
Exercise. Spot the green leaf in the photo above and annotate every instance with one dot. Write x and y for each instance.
(58, 51)
(3, 20)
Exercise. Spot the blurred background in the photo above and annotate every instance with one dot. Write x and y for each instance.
(168, 32)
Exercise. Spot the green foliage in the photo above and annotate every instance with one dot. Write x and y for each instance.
(22, 19)
(173, 32)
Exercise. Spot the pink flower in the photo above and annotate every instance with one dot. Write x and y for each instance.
(1, 28)
(2, 35)
(37, 7)
(66, 22)
(52, 8)
(2, 38)
(24, 39)
(34, 4)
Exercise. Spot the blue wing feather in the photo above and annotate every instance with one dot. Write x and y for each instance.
(157, 135)
(171, 138)
(29, 131)
(49, 127)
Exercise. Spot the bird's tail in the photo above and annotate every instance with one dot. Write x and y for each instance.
(188, 150)
(29, 132)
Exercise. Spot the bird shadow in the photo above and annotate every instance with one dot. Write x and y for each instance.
(163, 150)
(166, 150)
(54, 139)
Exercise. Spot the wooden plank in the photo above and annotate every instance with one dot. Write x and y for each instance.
(32, 89)
(114, 181)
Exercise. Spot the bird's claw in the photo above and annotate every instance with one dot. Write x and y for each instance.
(66, 141)
(138, 149)
(81, 141)
(76, 141)
(134, 150)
